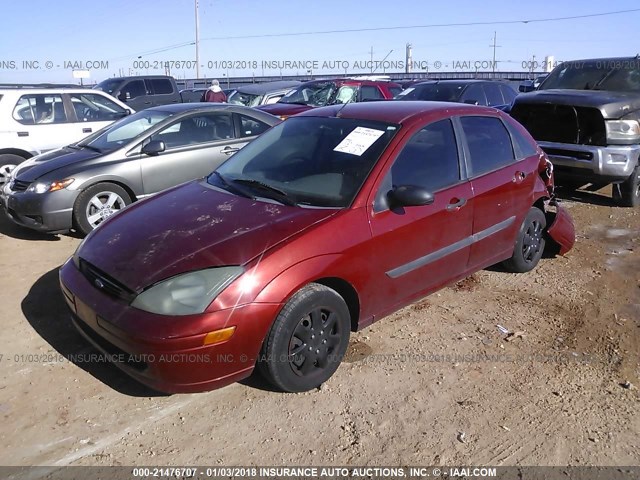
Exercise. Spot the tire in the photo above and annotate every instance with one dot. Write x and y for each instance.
(307, 341)
(530, 243)
(627, 193)
(87, 214)
(8, 161)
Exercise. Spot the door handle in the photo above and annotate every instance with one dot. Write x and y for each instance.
(23, 134)
(86, 130)
(519, 176)
(229, 150)
(456, 205)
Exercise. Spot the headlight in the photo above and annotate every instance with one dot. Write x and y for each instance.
(43, 187)
(623, 130)
(188, 293)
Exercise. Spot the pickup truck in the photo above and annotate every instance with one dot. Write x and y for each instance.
(142, 91)
(586, 116)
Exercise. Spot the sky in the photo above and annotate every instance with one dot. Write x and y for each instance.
(44, 41)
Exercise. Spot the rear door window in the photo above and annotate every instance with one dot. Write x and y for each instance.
(369, 92)
(474, 94)
(161, 86)
(489, 144)
(494, 95)
(250, 127)
(36, 109)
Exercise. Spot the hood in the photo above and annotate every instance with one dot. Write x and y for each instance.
(190, 227)
(612, 105)
(40, 165)
(287, 109)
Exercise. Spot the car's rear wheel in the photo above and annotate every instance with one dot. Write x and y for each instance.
(97, 203)
(627, 193)
(530, 243)
(307, 340)
(8, 161)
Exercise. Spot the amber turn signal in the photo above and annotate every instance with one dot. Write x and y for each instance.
(218, 336)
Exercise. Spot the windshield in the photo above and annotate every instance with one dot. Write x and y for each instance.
(621, 75)
(123, 131)
(438, 92)
(108, 86)
(246, 99)
(315, 95)
(311, 161)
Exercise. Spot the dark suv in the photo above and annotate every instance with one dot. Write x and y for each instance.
(475, 92)
(319, 93)
(586, 117)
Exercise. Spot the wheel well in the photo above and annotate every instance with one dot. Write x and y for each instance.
(540, 204)
(14, 151)
(348, 293)
(115, 182)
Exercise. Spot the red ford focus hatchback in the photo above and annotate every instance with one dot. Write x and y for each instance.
(324, 224)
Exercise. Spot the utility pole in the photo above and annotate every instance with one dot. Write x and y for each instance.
(493, 65)
(371, 70)
(197, 41)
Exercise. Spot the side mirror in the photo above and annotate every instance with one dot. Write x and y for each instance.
(527, 86)
(154, 147)
(410, 196)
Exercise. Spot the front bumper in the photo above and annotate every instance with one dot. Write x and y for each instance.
(46, 212)
(167, 353)
(562, 230)
(613, 162)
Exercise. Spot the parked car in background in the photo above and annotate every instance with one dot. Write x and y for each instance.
(36, 120)
(142, 92)
(327, 222)
(80, 185)
(319, 93)
(257, 94)
(192, 95)
(531, 85)
(586, 117)
(475, 92)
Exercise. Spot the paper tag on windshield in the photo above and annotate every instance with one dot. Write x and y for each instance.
(358, 141)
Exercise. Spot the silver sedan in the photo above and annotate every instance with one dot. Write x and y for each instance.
(80, 185)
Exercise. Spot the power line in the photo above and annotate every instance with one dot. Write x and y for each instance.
(378, 29)
(432, 25)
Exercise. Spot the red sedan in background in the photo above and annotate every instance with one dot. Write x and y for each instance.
(320, 93)
(326, 223)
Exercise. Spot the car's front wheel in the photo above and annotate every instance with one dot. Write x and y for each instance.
(627, 193)
(97, 203)
(530, 243)
(307, 341)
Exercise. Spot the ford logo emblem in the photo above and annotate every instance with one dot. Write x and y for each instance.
(98, 283)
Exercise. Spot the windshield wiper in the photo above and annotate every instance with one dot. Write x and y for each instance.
(234, 188)
(274, 193)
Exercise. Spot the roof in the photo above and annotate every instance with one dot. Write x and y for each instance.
(350, 81)
(177, 108)
(391, 111)
(460, 81)
(262, 88)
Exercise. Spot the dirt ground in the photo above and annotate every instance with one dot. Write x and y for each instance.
(437, 383)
